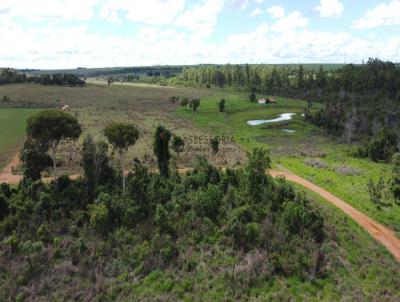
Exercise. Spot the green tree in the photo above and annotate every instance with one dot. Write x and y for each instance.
(375, 190)
(161, 149)
(395, 179)
(300, 77)
(194, 104)
(184, 102)
(252, 96)
(94, 162)
(173, 99)
(49, 127)
(383, 146)
(221, 105)
(321, 77)
(214, 142)
(35, 159)
(257, 164)
(178, 144)
(121, 136)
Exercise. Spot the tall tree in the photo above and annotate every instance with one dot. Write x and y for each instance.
(162, 137)
(178, 144)
(35, 159)
(221, 105)
(214, 142)
(94, 162)
(395, 179)
(300, 77)
(49, 127)
(194, 104)
(121, 136)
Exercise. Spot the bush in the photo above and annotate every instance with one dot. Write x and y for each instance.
(98, 214)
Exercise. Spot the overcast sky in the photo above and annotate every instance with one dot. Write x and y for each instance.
(99, 33)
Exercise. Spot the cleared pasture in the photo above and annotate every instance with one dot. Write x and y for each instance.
(12, 131)
(145, 106)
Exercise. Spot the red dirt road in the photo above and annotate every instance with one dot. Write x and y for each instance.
(381, 233)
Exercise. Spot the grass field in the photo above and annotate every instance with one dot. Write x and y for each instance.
(295, 150)
(12, 131)
(146, 106)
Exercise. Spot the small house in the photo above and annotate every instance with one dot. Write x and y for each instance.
(262, 101)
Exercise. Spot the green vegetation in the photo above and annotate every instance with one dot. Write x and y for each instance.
(12, 125)
(242, 213)
(309, 152)
(210, 234)
(49, 127)
(353, 95)
(121, 136)
(10, 76)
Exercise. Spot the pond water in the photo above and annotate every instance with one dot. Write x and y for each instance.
(289, 130)
(282, 117)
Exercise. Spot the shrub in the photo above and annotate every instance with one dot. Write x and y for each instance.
(375, 190)
(98, 214)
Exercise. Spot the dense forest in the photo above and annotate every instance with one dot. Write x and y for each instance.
(361, 101)
(155, 221)
(11, 76)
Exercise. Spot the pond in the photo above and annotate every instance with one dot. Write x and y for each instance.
(289, 130)
(282, 117)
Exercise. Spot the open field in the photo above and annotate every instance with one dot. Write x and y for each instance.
(12, 131)
(145, 106)
(334, 170)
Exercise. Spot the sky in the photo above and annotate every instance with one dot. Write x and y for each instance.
(51, 34)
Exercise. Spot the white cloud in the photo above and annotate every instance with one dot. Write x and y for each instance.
(259, 1)
(201, 18)
(291, 21)
(276, 11)
(330, 8)
(39, 10)
(382, 14)
(154, 12)
(256, 12)
(184, 40)
(265, 45)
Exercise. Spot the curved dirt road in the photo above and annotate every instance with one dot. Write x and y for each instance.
(381, 233)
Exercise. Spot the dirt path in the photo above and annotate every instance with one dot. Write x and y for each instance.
(381, 233)
(7, 176)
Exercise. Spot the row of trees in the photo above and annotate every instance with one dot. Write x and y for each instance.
(375, 75)
(11, 76)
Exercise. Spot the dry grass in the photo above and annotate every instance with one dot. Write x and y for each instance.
(145, 106)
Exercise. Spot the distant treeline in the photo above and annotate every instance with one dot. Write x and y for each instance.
(367, 95)
(145, 71)
(11, 76)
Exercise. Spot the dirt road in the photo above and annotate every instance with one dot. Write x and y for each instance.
(381, 233)
(7, 176)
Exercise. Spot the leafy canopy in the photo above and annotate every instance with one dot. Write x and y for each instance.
(52, 125)
(120, 135)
